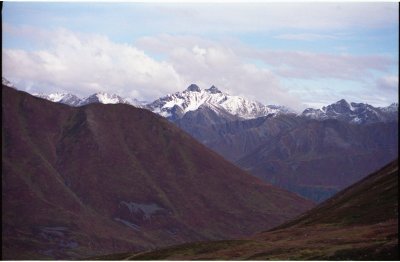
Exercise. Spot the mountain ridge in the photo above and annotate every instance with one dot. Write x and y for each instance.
(175, 106)
(357, 113)
(105, 178)
(248, 142)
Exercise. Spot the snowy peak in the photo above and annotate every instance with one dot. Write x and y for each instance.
(314, 113)
(358, 113)
(394, 107)
(57, 97)
(104, 98)
(175, 106)
(193, 88)
(5, 82)
(64, 98)
(340, 107)
(101, 97)
(213, 90)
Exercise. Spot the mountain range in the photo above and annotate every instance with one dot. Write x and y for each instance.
(106, 177)
(176, 106)
(99, 179)
(358, 113)
(101, 97)
(358, 223)
(314, 157)
(299, 152)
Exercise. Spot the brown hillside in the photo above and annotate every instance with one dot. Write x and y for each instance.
(100, 179)
(359, 223)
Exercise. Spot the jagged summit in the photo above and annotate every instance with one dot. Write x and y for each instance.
(5, 82)
(213, 90)
(394, 107)
(358, 113)
(99, 97)
(175, 106)
(104, 98)
(342, 102)
(193, 88)
(61, 97)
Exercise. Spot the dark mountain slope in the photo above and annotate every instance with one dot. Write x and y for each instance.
(372, 200)
(314, 158)
(106, 178)
(319, 158)
(234, 139)
(359, 223)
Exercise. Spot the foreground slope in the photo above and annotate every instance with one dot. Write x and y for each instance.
(359, 223)
(100, 178)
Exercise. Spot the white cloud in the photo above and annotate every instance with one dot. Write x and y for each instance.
(87, 63)
(211, 63)
(295, 64)
(388, 83)
(271, 16)
(84, 64)
(305, 37)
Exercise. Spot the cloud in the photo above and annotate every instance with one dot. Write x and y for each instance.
(87, 63)
(35, 34)
(84, 64)
(295, 64)
(305, 37)
(209, 63)
(388, 83)
(128, 20)
(271, 16)
(283, 63)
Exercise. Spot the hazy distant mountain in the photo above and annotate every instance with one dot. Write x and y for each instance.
(97, 179)
(359, 223)
(269, 147)
(194, 102)
(64, 98)
(177, 105)
(101, 97)
(4, 81)
(297, 153)
(357, 113)
(318, 158)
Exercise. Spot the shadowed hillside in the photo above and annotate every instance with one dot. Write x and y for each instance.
(100, 179)
(359, 223)
(314, 158)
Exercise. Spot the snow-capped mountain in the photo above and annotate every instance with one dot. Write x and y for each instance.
(104, 98)
(101, 97)
(64, 98)
(212, 103)
(394, 107)
(178, 104)
(5, 82)
(358, 113)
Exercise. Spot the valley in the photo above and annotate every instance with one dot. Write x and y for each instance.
(358, 223)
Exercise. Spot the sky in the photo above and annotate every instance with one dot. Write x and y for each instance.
(298, 54)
